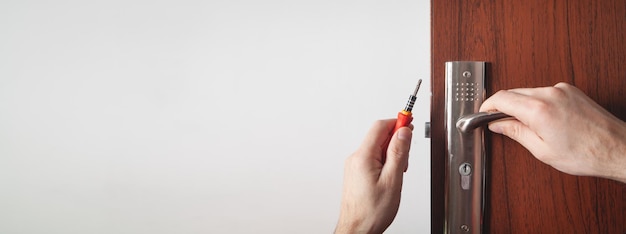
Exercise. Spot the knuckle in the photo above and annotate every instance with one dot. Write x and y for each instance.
(555, 93)
(398, 151)
(512, 131)
(539, 107)
(500, 93)
(567, 90)
(395, 152)
(489, 103)
(563, 85)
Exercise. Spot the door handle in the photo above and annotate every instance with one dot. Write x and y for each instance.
(465, 151)
(470, 122)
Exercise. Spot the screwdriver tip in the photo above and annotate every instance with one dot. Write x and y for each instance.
(419, 83)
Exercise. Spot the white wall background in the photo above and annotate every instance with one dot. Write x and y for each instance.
(201, 116)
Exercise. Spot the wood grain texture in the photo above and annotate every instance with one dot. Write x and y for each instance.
(533, 43)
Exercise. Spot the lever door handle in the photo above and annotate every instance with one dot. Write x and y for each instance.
(470, 122)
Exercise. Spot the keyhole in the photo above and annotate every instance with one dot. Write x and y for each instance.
(465, 169)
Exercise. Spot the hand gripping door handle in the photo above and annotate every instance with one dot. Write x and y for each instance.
(465, 151)
(470, 122)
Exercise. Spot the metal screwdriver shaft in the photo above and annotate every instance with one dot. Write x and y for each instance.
(413, 97)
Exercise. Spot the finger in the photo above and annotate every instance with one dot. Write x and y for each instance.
(397, 154)
(378, 134)
(522, 93)
(543, 92)
(496, 101)
(530, 91)
(521, 133)
(513, 103)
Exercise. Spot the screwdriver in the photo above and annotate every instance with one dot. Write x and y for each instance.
(404, 117)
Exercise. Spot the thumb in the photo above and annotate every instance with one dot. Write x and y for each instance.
(398, 153)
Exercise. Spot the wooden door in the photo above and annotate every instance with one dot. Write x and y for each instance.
(534, 43)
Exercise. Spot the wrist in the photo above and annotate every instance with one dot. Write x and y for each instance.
(347, 227)
(618, 154)
(354, 226)
(622, 155)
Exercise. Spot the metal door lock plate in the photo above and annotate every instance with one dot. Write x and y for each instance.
(465, 92)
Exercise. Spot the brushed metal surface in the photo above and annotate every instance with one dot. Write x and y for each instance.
(465, 92)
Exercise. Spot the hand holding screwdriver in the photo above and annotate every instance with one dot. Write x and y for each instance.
(404, 117)
(372, 187)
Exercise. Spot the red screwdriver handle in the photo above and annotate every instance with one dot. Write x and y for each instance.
(404, 119)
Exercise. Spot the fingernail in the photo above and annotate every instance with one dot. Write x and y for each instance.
(404, 134)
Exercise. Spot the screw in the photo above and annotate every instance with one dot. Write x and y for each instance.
(465, 228)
